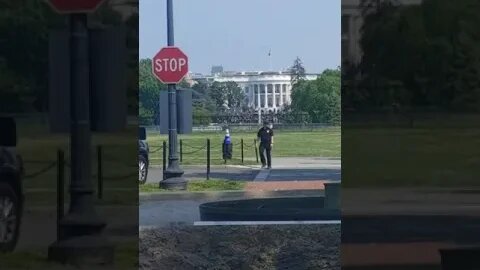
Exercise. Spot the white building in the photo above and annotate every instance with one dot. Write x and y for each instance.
(267, 91)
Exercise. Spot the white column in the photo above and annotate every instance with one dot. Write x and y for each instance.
(259, 105)
(287, 94)
(274, 99)
(265, 102)
(281, 94)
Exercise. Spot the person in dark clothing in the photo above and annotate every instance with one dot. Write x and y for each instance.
(265, 137)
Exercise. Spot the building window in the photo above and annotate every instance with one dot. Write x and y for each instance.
(270, 101)
(277, 100)
(277, 88)
(284, 88)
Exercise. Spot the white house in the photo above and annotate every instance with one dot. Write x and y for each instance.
(267, 91)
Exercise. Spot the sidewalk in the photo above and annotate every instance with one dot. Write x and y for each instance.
(406, 226)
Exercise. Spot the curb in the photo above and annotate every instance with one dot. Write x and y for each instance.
(216, 195)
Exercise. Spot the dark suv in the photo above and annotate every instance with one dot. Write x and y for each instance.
(143, 152)
(11, 191)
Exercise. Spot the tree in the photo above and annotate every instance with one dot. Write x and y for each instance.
(297, 71)
(320, 98)
(421, 56)
(227, 96)
(149, 93)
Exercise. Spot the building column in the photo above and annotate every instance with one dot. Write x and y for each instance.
(288, 95)
(281, 94)
(275, 95)
(259, 105)
(266, 96)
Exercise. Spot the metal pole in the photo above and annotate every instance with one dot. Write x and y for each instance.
(60, 191)
(173, 173)
(181, 150)
(99, 172)
(164, 158)
(81, 227)
(81, 191)
(208, 159)
(241, 146)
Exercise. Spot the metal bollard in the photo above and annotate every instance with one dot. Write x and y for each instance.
(164, 158)
(99, 172)
(241, 146)
(208, 159)
(60, 190)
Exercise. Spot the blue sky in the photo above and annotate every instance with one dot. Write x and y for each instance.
(238, 34)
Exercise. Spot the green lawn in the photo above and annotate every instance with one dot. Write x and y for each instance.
(410, 157)
(39, 153)
(200, 185)
(319, 143)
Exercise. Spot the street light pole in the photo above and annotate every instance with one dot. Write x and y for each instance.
(81, 241)
(173, 174)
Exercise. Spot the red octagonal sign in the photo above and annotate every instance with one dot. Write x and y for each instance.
(75, 6)
(170, 65)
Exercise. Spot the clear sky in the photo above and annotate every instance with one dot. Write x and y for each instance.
(238, 34)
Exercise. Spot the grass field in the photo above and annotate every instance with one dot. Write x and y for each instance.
(320, 143)
(410, 157)
(200, 185)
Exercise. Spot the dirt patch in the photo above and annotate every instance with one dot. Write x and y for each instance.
(289, 247)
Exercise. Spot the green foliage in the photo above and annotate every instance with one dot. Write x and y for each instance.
(320, 98)
(421, 56)
(227, 96)
(298, 71)
(201, 116)
(149, 88)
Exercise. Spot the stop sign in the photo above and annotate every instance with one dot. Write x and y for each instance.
(75, 6)
(170, 65)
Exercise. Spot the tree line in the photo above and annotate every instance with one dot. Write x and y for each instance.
(315, 101)
(25, 38)
(417, 57)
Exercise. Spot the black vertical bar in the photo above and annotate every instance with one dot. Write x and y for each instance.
(164, 158)
(99, 172)
(60, 190)
(181, 150)
(241, 146)
(256, 149)
(208, 159)
(173, 170)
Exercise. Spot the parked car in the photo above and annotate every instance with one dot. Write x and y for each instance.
(11, 190)
(143, 156)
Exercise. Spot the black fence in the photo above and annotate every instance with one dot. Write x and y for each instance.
(204, 153)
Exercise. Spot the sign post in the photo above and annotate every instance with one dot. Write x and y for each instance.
(170, 65)
(81, 241)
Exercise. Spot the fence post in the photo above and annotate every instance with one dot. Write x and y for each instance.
(181, 150)
(60, 190)
(99, 172)
(164, 158)
(241, 146)
(256, 149)
(208, 159)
